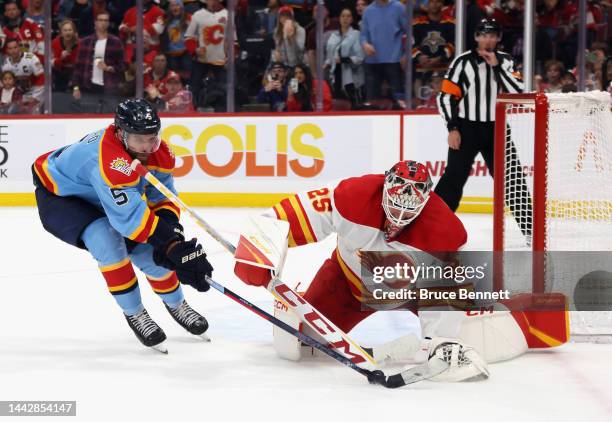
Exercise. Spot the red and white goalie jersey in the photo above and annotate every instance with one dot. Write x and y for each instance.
(353, 210)
(30, 74)
(207, 30)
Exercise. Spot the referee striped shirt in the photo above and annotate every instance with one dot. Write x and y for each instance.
(470, 87)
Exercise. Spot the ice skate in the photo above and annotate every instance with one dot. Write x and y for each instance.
(190, 320)
(147, 331)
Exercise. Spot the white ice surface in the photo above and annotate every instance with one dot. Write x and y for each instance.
(62, 337)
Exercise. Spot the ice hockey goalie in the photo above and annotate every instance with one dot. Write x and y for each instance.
(395, 211)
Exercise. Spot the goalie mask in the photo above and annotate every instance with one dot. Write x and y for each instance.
(405, 192)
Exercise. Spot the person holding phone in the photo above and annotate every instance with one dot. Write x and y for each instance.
(302, 91)
(274, 88)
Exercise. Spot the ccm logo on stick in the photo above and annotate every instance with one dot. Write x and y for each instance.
(192, 255)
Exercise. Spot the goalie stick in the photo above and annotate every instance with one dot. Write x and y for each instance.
(335, 337)
(284, 294)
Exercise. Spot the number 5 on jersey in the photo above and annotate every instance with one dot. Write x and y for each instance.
(119, 196)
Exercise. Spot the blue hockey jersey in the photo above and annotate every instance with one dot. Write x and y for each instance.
(97, 169)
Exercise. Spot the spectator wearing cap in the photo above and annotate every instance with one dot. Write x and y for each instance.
(274, 87)
(64, 49)
(177, 99)
(173, 38)
(384, 25)
(344, 58)
(289, 39)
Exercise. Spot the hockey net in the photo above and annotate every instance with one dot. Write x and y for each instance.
(553, 197)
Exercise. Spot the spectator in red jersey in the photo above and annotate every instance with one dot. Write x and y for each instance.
(173, 39)
(29, 73)
(64, 49)
(153, 22)
(302, 95)
(28, 33)
(156, 77)
(99, 69)
(10, 97)
(177, 99)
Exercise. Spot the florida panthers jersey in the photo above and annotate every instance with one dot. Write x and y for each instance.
(208, 29)
(29, 73)
(97, 169)
(353, 209)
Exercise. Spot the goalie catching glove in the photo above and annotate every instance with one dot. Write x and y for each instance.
(260, 254)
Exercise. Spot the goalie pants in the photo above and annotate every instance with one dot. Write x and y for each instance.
(79, 223)
(329, 292)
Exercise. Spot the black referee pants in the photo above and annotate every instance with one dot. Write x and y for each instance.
(475, 137)
(480, 137)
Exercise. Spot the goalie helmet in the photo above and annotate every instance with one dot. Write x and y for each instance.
(405, 192)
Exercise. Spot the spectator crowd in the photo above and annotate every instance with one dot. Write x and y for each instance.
(273, 46)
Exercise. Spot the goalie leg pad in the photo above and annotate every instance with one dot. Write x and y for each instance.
(494, 334)
(286, 345)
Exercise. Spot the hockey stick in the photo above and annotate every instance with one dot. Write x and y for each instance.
(335, 337)
(412, 375)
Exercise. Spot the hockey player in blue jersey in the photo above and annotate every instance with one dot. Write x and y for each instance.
(89, 197)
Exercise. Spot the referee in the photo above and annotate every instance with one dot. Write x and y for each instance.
(467, 104)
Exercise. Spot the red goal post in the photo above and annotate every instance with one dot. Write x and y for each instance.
(553, 190)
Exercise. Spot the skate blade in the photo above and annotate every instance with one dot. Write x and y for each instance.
(161, 348)
(204, 337)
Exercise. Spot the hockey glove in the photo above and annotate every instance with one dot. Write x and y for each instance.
(172, 220)
(189, 262)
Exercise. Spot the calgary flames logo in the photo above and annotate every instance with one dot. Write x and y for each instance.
(214, 34)
(121, 165)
